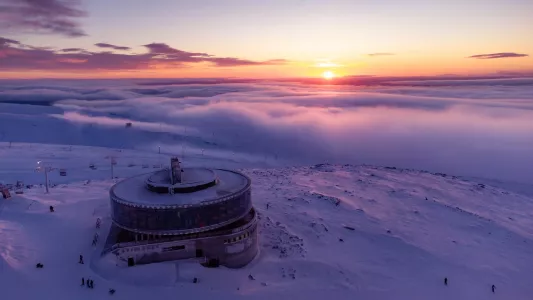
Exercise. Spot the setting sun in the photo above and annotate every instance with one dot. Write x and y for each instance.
(328, 75)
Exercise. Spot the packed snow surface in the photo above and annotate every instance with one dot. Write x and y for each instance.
(326, 232)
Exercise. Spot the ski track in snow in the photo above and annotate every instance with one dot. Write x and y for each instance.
(410, 230)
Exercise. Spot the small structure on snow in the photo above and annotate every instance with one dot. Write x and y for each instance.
(5, 193)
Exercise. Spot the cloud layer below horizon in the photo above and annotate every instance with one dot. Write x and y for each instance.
(476, 130)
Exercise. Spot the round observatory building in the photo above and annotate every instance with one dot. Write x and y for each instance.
(183, 213)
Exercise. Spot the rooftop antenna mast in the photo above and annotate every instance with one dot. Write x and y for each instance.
(175, 170)
(183, 142)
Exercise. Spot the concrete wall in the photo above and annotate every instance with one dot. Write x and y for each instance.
(235, 250)
(242, 256)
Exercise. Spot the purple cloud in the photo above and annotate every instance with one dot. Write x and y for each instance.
(380, 54)
(165, 52)
(17, 56)
(114, 47)
(231, 62)
(45, 16)
(169, 52)
(498, 55)
(4, 41)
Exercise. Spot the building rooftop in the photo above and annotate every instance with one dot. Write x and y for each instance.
(133, 191)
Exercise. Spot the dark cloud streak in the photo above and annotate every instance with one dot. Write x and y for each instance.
(164, 49)
(380, 54)
(498, 55)
(4, 41)
(230, 62)
(114, 47)
(72, 50)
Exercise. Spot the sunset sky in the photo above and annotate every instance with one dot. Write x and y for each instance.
(263, 39)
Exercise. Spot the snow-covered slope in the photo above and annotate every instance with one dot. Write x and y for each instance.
(329, 232)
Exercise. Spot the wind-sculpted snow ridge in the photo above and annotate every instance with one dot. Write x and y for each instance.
(326, 231)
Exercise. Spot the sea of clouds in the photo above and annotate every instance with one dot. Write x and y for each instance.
(475, 128)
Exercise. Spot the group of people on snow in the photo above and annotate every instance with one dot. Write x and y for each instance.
(493, 288)
(90, 282)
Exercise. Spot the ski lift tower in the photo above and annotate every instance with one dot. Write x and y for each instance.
(113, 161)
(45, 169)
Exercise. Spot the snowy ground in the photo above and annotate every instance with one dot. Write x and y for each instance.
(401, 247)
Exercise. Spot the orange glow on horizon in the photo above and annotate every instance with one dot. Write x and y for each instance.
(328, 75)
(393, 66)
